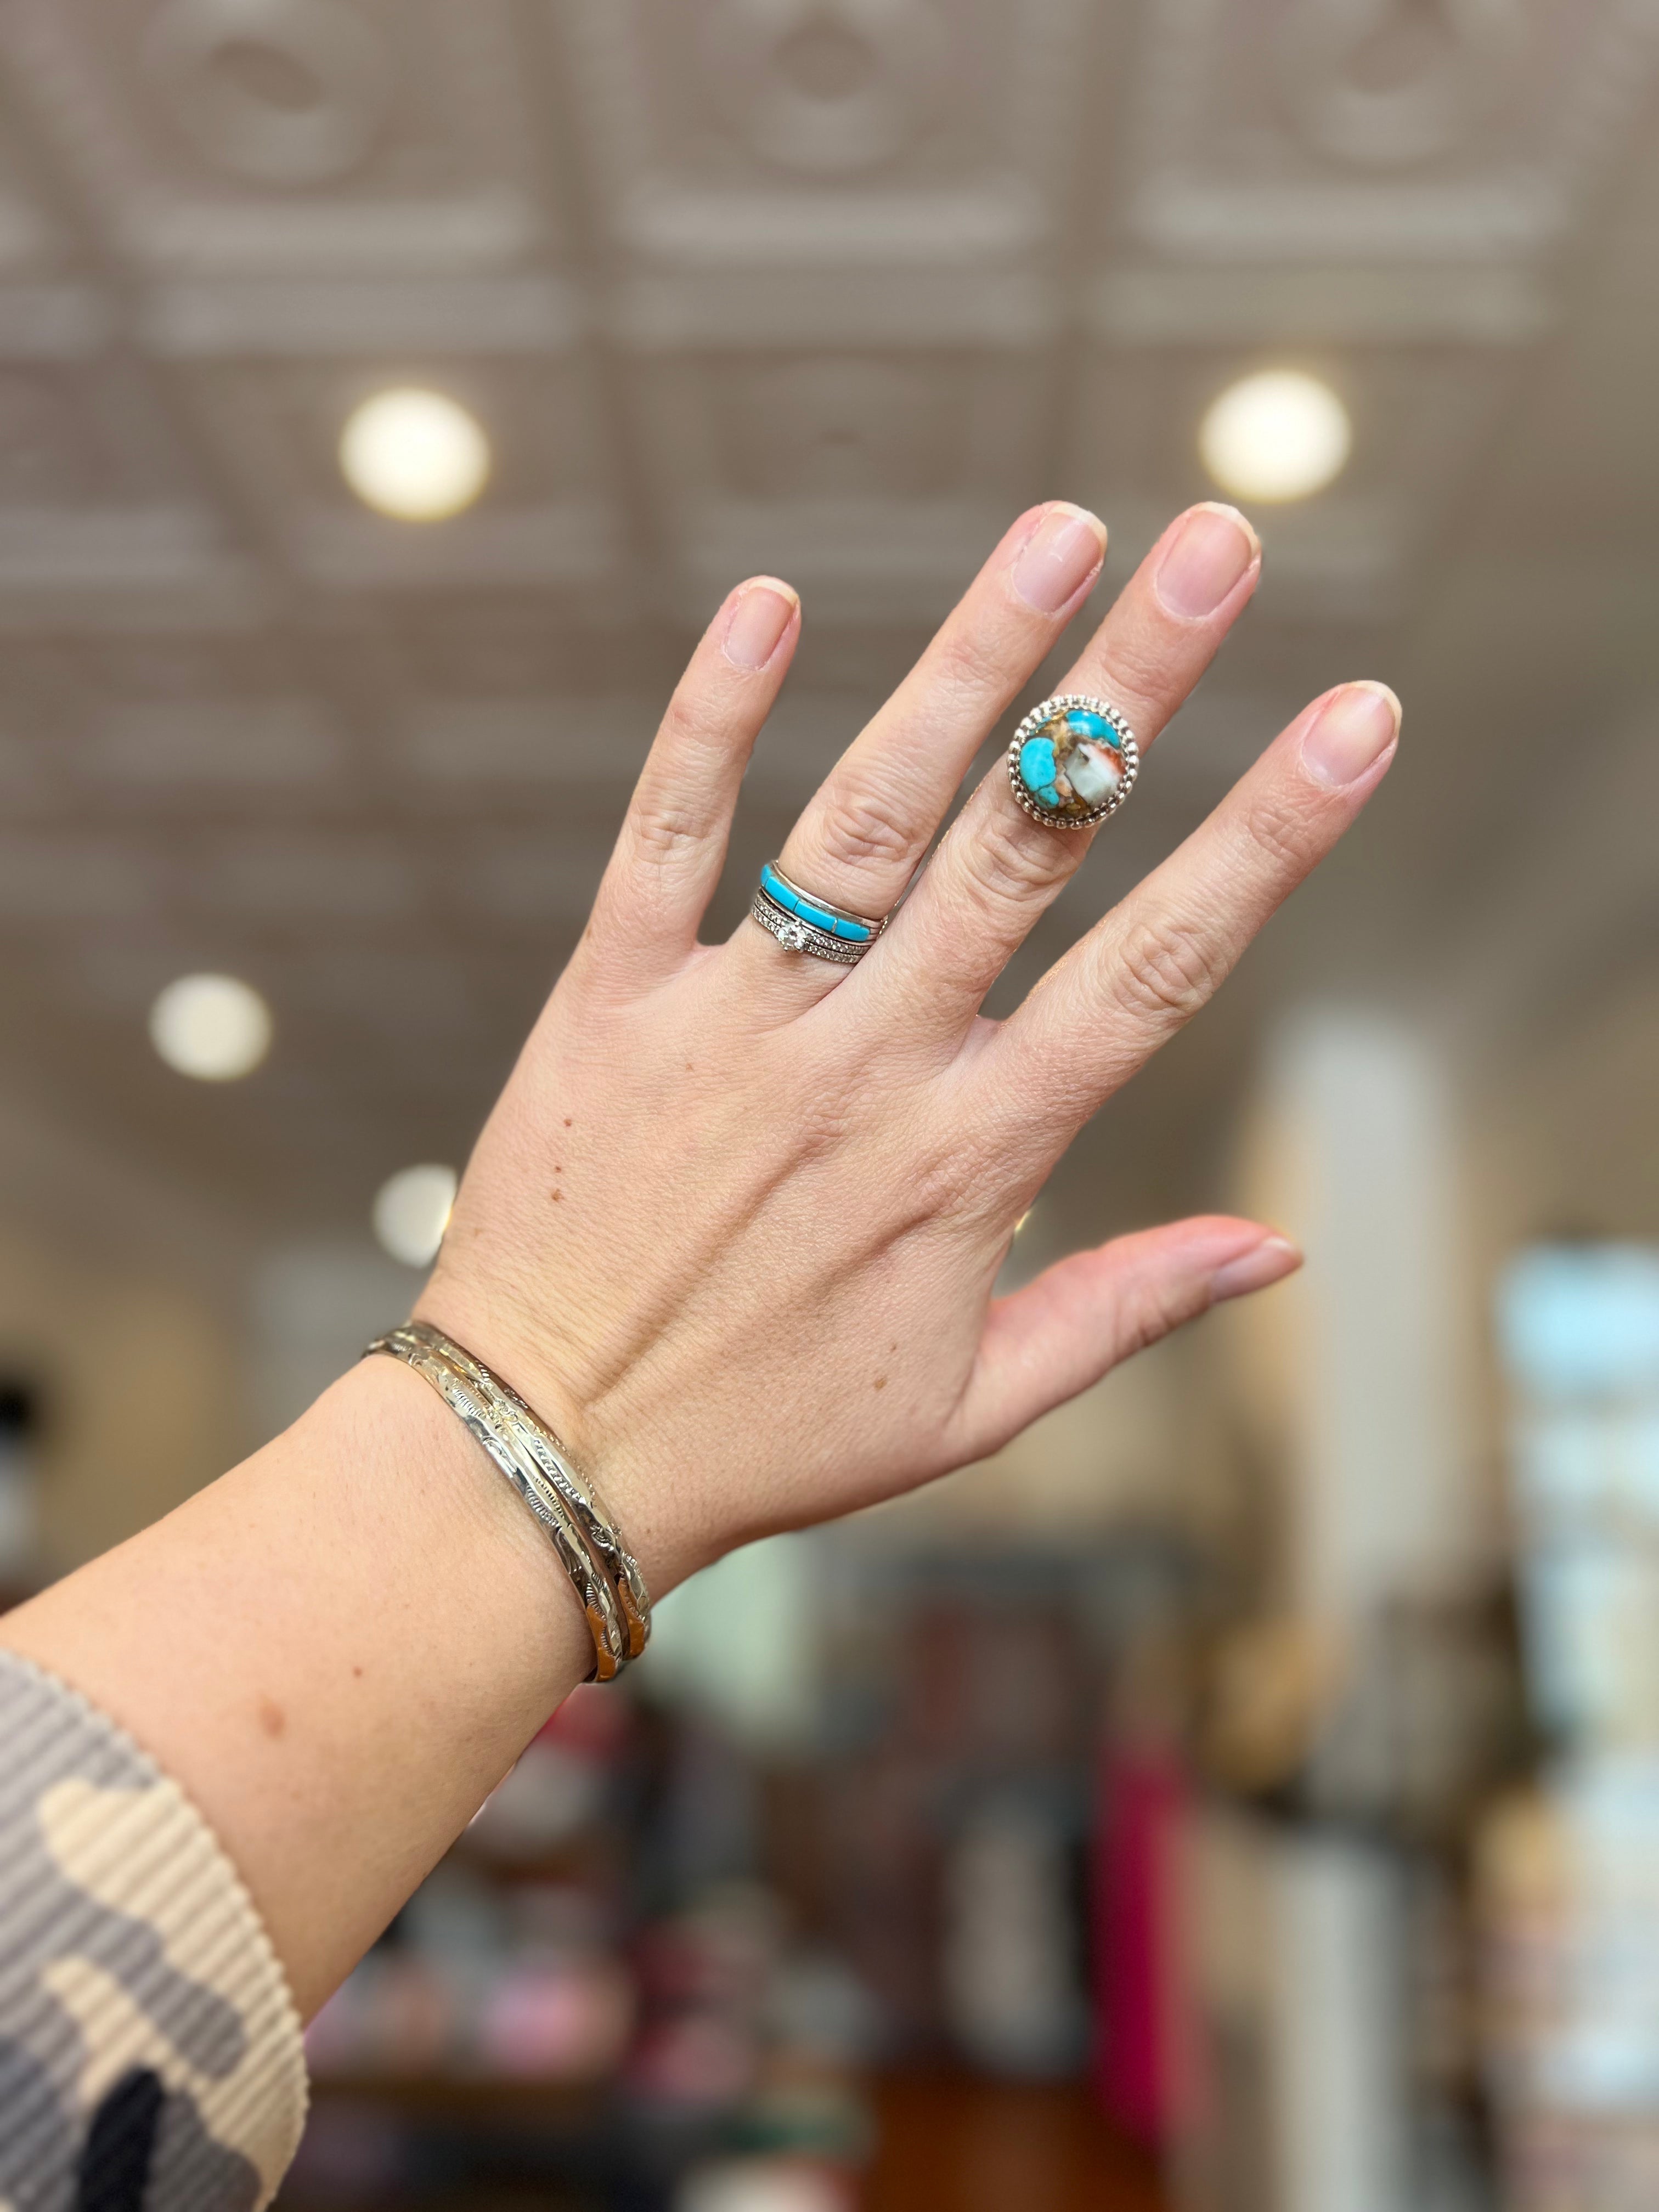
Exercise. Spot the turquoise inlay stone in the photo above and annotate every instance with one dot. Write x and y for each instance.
(833, 925)
(1037, 770)
(1074, 764)
(1082, 724)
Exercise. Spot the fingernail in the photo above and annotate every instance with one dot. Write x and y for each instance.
(1209, 553)
(1354, 728)
(1269, 1261)
(756, 625)
(1058, 557)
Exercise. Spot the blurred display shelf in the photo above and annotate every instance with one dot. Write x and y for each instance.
(959, 2142)
(945, 2141)
(569, 2104)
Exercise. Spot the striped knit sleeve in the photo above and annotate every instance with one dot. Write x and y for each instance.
(150, 2051)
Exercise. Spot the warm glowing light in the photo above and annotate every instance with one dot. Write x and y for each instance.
(417, 455)
(1276, 435)
(411, 1212)
(212, 1027)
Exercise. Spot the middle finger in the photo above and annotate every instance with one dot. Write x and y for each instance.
(997, 870)
(860, 840)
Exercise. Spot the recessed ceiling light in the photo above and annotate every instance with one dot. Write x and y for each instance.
(213, 1027)
(411, 1212)
(417, 455)
(1276, 435)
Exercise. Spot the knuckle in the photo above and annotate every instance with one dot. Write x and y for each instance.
(665, 831)
(862, 826)
(1164, 969)
(690, 727)
(1012, 864)
(1139, 677)
(963, 675)
(1151, 1311)
(1277, 826)
(933, 1183)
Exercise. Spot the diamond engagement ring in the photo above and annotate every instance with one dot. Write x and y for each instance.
(801, 923)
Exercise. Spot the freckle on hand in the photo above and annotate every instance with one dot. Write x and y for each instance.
(273, 1719)
(881, 1382)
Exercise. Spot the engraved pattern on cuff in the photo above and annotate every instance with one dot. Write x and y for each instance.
(523, 1449)
(549, 1456)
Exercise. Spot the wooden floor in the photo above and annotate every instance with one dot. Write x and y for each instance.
(949, 2144)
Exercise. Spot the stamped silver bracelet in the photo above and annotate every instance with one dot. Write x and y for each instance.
(585, 1538)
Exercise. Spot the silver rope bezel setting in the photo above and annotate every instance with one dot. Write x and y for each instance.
(1065, 702)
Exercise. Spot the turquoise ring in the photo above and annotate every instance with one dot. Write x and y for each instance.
(1072, 761)
(803, 923)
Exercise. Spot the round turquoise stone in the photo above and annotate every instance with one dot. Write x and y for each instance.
(1074, 764)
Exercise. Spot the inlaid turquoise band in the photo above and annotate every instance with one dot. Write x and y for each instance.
(833, 921)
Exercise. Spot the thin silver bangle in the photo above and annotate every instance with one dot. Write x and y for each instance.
(606, 1577)
(554, 1463)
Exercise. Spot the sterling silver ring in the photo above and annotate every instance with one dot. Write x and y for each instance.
(804, 923)
(1072, 761)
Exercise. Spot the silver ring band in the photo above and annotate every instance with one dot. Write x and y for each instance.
(797, 936)
(803, 922)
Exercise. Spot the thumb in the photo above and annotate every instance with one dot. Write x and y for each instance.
(1080, 1317)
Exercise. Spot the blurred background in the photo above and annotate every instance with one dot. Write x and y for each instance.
(1242, 1796)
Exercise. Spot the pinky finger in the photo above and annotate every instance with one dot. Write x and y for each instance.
(1085, 1314)
(672, 846)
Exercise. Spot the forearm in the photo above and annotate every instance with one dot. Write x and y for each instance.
(337, 1650)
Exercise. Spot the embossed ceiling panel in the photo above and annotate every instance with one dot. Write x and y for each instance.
(859, 476)
(548, 515)
(282, 135)
(1344, 127)
(179, 745)
(98, 498)
(829, 288)
(865, 130)
(1417, 419)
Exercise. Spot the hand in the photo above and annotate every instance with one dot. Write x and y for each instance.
(732, 1228)
(733, 1225)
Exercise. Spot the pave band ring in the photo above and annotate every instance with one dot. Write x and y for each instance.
(802, 923)
(1072, 761)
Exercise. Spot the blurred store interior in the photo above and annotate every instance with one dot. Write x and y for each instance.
(1242, 1796)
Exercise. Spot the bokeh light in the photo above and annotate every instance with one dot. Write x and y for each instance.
(417, 455)
(1277, 435)
(214, 1028)
(411, 1212)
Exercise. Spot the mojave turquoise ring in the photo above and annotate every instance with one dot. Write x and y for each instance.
(802, 923)
(1072, 761)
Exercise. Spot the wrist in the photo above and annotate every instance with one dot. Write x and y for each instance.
(620, 1456)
